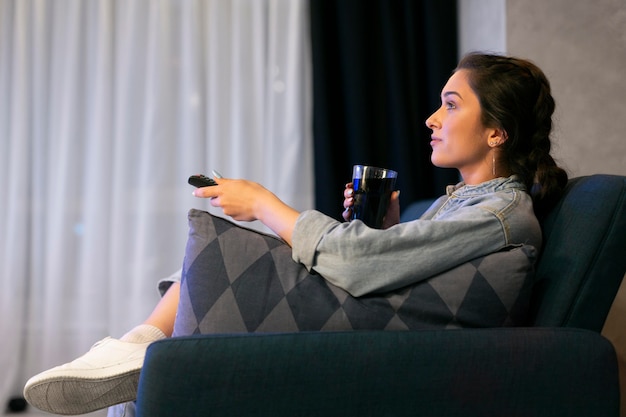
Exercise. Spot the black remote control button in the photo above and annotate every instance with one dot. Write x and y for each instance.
(201, 181)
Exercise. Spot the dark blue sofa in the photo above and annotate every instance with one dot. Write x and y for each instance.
(558, 366)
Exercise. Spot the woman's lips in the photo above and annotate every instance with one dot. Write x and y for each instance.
(434, 140)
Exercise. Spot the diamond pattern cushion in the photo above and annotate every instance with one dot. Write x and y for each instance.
(239, 280)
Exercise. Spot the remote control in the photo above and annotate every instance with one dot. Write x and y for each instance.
(201, 181)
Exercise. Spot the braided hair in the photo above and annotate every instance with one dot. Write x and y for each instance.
(515, 96)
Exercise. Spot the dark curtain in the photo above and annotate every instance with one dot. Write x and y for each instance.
(378, 69)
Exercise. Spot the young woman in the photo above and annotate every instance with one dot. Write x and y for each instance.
(493, 125)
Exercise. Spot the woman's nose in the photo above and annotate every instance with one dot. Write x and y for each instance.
(431, 122)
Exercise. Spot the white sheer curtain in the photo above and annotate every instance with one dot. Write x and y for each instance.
(106, 108)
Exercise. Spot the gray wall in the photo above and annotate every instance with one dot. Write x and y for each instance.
(581, 45)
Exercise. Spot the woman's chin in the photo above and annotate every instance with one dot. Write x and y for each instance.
(438, 162)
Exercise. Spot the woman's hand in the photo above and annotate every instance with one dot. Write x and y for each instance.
(392, 217)
(247, 201)
(348, 201)
(239, 199)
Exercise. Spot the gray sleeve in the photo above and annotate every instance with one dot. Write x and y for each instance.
(362, 260)
(165, 283)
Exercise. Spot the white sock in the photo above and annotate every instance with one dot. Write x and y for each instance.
(143, 333)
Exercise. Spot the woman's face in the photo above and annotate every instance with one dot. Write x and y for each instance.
(459, 139)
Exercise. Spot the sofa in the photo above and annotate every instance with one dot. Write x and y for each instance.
(557, 365)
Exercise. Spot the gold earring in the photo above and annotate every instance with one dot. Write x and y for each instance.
(493, 164)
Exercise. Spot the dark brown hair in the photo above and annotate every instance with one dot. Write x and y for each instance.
(515, 96)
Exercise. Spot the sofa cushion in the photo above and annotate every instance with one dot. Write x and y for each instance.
(239, 280)
(583, 261)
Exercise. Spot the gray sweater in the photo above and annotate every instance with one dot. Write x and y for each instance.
(466, 223)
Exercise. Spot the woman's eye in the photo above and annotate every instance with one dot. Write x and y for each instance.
(450, 105)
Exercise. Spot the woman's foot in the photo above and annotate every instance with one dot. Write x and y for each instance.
(106, 375)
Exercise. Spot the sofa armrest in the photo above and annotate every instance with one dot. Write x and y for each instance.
(529, 371)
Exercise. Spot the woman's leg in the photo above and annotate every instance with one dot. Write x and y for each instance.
(164, 313)
(109, 373)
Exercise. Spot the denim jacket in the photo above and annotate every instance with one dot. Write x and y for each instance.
(468, 222)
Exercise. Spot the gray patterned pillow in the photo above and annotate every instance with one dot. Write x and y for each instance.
(490, 291)
(239, 280)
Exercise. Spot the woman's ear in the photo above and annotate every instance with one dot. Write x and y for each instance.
(497, 137)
